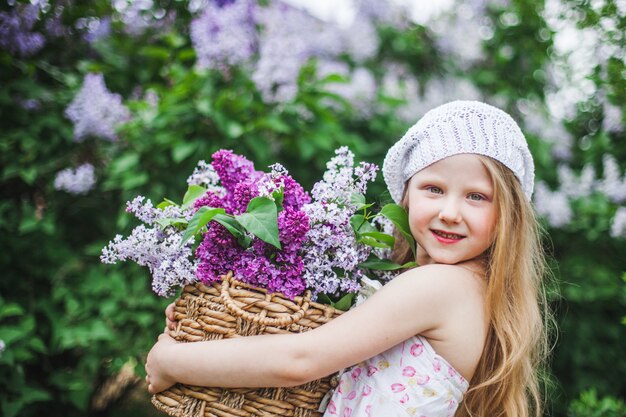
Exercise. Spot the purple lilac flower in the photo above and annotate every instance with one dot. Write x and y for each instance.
(95, 110)
(16, 34)
(216, 253)
(54, 26)
(284, 272)
(78, 181)
(224, 35)
(96, 29)
(233, 169)
(260, 264)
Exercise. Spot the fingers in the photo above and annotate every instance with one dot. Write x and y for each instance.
(170, 323)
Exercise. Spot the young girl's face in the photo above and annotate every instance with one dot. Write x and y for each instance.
(451, 207)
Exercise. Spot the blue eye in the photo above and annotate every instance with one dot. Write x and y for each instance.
(476, 197)
(434, 189)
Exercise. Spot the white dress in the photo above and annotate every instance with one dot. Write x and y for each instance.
(409, 379)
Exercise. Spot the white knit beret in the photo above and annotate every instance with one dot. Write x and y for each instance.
(455, 128)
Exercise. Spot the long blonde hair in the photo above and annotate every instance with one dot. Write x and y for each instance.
(507, 381)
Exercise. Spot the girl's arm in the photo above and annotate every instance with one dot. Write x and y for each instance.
(417, 301)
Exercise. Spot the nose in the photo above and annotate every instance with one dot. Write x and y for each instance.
(450, 212)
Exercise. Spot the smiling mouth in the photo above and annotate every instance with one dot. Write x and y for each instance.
(447, 235)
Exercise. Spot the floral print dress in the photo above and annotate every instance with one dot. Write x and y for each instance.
(409, 379)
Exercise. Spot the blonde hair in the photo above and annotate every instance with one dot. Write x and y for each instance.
(507, 381)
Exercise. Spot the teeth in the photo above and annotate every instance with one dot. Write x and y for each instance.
(448, 235)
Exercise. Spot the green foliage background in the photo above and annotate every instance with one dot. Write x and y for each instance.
(70, 323)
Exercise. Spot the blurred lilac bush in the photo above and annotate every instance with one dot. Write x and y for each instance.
(105, 100)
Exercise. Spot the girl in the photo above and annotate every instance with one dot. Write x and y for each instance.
(464, 328)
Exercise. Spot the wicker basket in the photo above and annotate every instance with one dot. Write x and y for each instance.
(232, 309)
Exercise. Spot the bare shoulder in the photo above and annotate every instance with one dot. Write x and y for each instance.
(461, 330)
(450, 281)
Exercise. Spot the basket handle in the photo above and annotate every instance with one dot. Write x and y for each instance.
(257, 318)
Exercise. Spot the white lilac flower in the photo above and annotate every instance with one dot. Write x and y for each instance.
(618, 224)
(138, 16)
(331, 246)
(436, 92)
(224, 35)
(457, 34)
(613, 119)
(612, 184)
(3, 346)
(76, 181)
(282, 52)
(95, 110)
(204, 174)
(385, 226)
(553, 205)
(361, 39)
(368, 288)
(548, 127)
(289, 37)
(398, 82)
(360, 91)
(384, 12)
(159, 250)
(272, 181)
(573, 187)
(145, 211)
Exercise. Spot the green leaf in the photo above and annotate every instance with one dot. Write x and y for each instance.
(400, 218)
(9, 310)
(165, 203)
(381, 237)
(182, 150)
(172, 221)
(324, 299)
(261, 219)
(279, 196)
(357, 199)
(202, 217)
(373, 262)
(360, 225)
(124, 163)
(235, 228)
(344, 302)
(134, 181)
(370, 241)
(193, 193)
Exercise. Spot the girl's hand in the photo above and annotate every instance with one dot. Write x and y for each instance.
(156, 364)
(170, 322)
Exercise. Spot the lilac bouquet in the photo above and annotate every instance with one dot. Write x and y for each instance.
(267, 230)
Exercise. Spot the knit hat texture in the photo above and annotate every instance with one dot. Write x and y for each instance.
(454, 128)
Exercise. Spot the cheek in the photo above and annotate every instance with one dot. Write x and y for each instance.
(488, 225)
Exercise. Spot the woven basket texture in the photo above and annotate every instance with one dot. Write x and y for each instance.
(229, 309)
